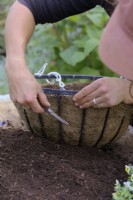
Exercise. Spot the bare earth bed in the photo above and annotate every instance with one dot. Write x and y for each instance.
(34, 168)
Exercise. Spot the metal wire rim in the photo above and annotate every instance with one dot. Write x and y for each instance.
(66, 76)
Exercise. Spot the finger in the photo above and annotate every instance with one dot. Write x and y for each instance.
(88, 98)
(35, 106)
(93, 103)
(43, 99)
(85, 91)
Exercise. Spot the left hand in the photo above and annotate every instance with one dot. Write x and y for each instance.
(104, 92)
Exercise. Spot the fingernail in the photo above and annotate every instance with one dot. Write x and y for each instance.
(74, 99)
(81, 107)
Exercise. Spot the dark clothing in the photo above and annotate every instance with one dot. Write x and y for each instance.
(55, 10)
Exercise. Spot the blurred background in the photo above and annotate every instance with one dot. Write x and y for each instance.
(69, 46)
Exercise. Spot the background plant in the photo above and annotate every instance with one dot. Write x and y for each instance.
(125, 191)
(70, 46)
(4, 7)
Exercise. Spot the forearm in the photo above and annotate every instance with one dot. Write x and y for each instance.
(19, 27)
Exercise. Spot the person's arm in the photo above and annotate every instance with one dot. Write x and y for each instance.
(23, 87)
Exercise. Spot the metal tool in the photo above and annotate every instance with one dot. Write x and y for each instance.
(51, 112)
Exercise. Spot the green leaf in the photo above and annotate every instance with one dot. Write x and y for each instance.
(90, 46)
(67, 53)
(89, 71)
(72, 55)
(80, 43)
(94, 32)
(74, 18)
(77, 57)
(98, 17)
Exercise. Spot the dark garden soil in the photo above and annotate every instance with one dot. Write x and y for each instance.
(34, 168)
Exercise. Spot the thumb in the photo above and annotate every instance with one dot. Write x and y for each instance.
(43, 99)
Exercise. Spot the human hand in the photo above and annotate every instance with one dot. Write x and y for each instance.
(25, 90)
(104, 92)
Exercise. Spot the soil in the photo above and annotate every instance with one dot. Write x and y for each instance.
(34, 168)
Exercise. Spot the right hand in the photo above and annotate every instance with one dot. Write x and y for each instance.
(25, 90)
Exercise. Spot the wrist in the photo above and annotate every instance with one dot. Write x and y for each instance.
(15, 57)
(15, 62)
(16, 65)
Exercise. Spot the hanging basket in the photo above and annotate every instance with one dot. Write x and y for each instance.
(92, 127)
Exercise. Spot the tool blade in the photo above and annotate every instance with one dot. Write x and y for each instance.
(50, 111)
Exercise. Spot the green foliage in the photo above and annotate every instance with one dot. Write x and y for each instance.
(3, 78)
(4, 7)
(125, 191)
(70, 46)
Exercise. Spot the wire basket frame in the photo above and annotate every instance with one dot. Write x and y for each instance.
(91, 127)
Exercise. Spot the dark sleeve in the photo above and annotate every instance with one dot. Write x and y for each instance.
(49, 11)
